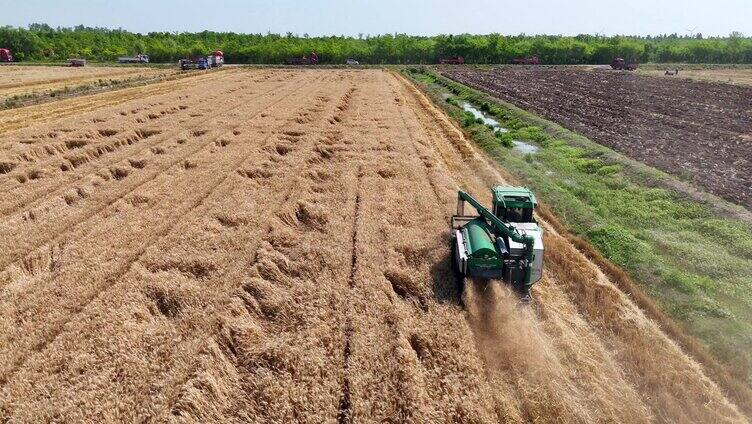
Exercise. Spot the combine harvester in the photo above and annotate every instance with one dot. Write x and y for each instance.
(505, 244)
(216, 59)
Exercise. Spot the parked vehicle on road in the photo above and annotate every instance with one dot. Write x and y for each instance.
(216, 59)
(139, 58)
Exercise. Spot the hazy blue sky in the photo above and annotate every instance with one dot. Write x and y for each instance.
(351, 17)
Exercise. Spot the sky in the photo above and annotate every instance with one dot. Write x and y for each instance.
(428, 17)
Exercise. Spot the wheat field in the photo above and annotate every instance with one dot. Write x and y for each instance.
(29, 80)
(273, 246)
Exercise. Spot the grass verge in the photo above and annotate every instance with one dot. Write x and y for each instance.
(689, 251)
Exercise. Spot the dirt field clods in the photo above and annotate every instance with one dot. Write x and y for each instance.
(272, 246)
(741, 76)
(685, 128)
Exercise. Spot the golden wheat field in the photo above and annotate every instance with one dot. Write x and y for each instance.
(273, 246)
(27, 80)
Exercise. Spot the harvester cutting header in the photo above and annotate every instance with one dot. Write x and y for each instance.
(505, 243)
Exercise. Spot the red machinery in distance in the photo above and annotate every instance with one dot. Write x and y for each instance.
(531, 60)
(459, 60)
(622, 65)
(6, 55)
(216, 59)
(311, 59)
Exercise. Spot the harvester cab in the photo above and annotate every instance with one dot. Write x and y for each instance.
(503, 243)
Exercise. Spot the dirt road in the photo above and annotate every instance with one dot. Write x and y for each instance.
(272, 246)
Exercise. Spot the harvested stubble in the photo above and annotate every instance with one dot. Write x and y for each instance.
(296, 272)
(28, 80)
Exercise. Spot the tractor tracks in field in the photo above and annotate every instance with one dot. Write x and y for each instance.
(155, 141)
(196, 212)
(122, 269)
(315, 156)
(81, 220)
(109, 200)
(344, 415)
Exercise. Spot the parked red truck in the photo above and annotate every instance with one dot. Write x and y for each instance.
(6, 55)
(623, 65)
(216, 59)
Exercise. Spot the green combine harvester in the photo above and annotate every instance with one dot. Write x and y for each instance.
(505, 244)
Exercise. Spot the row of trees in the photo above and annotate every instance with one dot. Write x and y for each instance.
(42, 43)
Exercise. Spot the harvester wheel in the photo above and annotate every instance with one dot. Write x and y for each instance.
(458, 275)
(455, 268)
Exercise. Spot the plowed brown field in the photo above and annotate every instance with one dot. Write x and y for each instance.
(272, 246)
(697, 130)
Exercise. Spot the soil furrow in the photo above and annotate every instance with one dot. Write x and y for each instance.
(345, 403)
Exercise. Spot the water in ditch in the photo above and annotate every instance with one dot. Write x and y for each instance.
(519, 145)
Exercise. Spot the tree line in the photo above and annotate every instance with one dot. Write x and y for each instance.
(40, 42)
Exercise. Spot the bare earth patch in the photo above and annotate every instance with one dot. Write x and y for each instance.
(696, 130)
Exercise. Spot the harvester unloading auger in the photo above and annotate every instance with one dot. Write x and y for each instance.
(504, 244)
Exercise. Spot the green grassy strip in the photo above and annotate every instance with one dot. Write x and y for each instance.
(697, 264)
